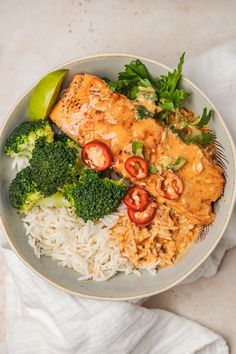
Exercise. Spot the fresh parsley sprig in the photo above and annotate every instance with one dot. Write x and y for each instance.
(191, 131)
(135, 75)
(204, 118)
(169, 98)
(203, 138)
(169, 82)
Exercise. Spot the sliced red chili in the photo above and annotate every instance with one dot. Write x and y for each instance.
(137, 167)
(97, 155)
(169, 185)
(143, 218)
(136, 198)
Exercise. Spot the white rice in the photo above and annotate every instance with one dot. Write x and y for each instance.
(85, 247)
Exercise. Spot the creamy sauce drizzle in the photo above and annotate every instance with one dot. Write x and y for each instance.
(147, 97)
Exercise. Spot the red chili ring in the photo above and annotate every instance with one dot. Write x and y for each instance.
(143, 218)
(137, 167)
(169, 185)
(103, 152)
(136, 198)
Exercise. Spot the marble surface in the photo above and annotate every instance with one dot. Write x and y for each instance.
(34, 37)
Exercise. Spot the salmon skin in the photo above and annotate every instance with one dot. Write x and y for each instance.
(88, 110)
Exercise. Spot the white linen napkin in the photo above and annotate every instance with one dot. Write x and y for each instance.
(41, 319)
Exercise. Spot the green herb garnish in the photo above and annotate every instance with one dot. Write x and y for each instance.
(179, 162)
(167, 165)
(203, 138)
(152, 169)
(204, 118)
(190, 130)
(169, 95)
(137, 148)
(142, 112)
(135, 75)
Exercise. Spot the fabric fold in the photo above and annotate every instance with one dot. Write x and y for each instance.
(47, 320)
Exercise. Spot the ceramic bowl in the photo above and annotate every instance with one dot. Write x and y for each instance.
(120, 287)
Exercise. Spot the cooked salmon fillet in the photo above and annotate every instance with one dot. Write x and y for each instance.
(88, 110)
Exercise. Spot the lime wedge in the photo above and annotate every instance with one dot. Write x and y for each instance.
(45, 94)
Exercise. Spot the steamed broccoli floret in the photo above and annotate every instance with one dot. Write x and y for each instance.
(23, 139)
(63, 138)
(52, 165)
(56, 200)
(92, 197)
(23, 191)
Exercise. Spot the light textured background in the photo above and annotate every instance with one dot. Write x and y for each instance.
(37, 35)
